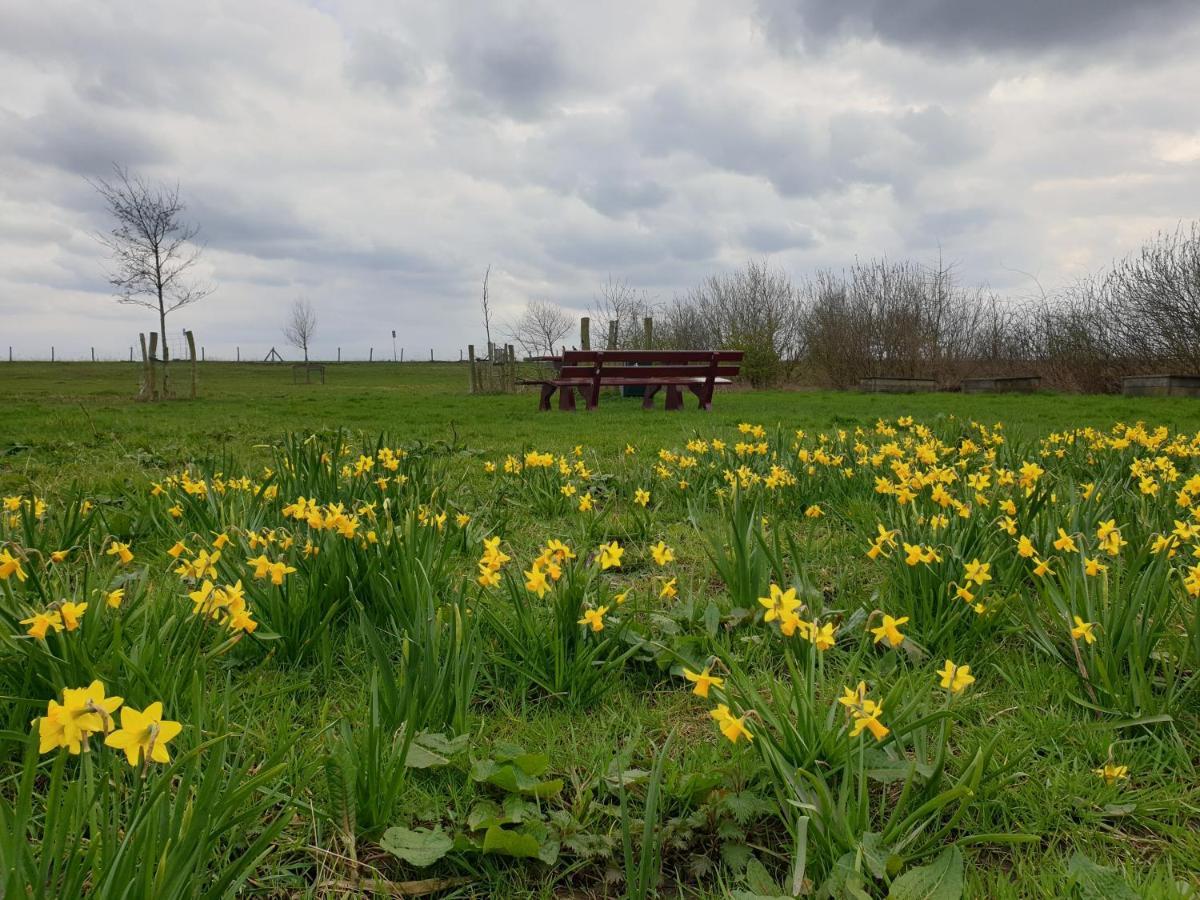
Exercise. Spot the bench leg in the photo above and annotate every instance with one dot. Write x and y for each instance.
(648, 396)
(566, 399)
(674, 398)
(703, 393)
(592, 397)
(547, 392)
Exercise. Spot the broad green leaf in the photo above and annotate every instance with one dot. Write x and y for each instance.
(942, 879)
(418, 848)
(510, 842)
(1097, 882)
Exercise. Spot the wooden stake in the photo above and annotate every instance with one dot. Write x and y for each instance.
(612, 335)
(648, 328)
(585, 333)
(191, 343)
(471, 363)
(371, 355)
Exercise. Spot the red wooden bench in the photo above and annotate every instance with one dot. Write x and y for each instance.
(587, 371)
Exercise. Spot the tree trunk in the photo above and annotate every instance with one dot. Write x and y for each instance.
(166, 354)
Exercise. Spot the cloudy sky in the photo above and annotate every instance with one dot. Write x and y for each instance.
(376, 157)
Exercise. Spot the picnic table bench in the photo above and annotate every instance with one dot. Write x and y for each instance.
(587, 371)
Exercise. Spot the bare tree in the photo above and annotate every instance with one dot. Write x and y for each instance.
(487, 310)
(540, 327)
(302, 324)
(619, 302)
(152, 247)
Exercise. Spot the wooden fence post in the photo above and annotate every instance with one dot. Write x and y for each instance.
(93, 354)
(431, 354)
(510, 367)
(339, 354)
(612, 335)
(148, 391)
(585, 333)
(52, 353)
(471, 363)
(191, 343)
(648, 327)
(371, 355)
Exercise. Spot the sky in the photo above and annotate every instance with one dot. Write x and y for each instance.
(376, 157)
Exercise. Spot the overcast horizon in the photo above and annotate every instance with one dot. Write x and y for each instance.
(376, 158)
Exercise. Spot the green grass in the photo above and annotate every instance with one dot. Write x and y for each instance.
(81, 419)
(78, 424)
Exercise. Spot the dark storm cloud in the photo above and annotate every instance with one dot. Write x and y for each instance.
(1008, 26)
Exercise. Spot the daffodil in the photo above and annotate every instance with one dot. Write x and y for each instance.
(41, 623)
(10, 566)
(144, 735)
(83, 711)
(115, 598)
(1084, 630)
(824, 637)
(955, 679)
(1112, 773)
(662, 553)
(669, 589)
(641, 497)
(890, 630)
(594, 618)
(1065, 543)
(536, 581)
(610, 555)
(71, 614)
(780, 604)
(977, 572)
(121, 551)
(703, 681)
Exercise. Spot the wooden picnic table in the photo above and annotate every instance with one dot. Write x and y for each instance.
(587, 371)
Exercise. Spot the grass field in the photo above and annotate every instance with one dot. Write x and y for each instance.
(413, 714)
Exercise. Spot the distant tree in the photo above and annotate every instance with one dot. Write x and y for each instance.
(301, 325)
(152, 248)
(540, 327)
(487, 310)
(620, 302)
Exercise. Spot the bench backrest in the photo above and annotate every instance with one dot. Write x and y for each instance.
(642, 363)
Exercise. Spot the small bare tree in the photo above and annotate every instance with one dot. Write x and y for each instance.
(540, 327)
(301, 325)
(487, 310)
(152, 248)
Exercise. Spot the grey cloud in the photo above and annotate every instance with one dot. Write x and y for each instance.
(1008, 26)
(81, 140)
(513, 65)
(772, 237)
(384, 59)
